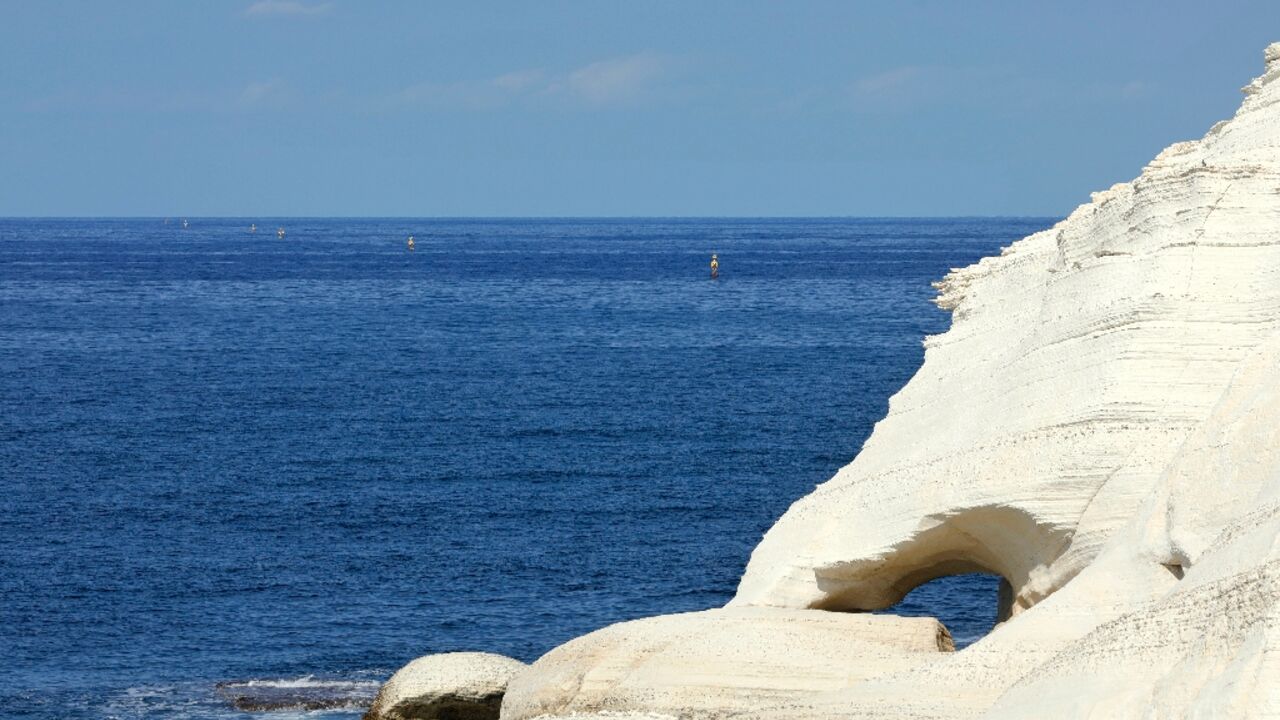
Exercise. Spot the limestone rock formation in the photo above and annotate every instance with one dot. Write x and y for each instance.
(710, 663)
(449, 686)
(1208, 646)
(1100, 427)
(1077, 362)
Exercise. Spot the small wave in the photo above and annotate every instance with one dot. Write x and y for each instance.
(195, 700)
(301, 693)
(306, 681)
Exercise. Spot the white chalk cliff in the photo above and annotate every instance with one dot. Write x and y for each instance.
(1100, 427)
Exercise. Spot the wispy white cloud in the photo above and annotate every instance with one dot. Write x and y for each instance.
(263, 94)
(482, 94)
(454, 96)
(910, 87)
(617, 82)
(286, 8)
(622, 80)
(252, 97)
(1134, 89)
(890, 80)
(521, 80)
(113, 99)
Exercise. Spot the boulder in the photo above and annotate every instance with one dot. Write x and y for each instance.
(449, 686)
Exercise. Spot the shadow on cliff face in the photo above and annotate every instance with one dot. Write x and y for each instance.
(999, 540)
(966, 604)
(970, 568)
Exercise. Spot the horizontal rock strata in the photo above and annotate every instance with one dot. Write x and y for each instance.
(711, 663)
(1100, 427)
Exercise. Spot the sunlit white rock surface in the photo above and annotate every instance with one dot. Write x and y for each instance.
(1076, 364)
(713, 662)
(449, 686)
(1100, 427)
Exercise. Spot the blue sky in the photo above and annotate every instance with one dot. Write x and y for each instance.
(339, 107)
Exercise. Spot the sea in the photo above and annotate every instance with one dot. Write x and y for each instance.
(233, 463)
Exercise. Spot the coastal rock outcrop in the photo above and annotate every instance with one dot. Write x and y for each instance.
(712, 663)
(1100, 427)
(449, 686)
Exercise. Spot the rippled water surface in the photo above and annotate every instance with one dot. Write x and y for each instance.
(227, 457)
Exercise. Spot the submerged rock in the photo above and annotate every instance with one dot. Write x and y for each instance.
(449, 686)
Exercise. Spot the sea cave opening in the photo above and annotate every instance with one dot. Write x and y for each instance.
(967, 604)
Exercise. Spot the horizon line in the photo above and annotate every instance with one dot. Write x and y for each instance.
(530, 217)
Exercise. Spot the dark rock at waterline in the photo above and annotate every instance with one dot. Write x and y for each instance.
(306, 694)
(448, 686)
(443, 707)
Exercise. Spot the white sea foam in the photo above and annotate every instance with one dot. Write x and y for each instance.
(203, 701)
(306, 681)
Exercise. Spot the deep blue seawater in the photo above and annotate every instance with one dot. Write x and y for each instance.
(225, 456)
